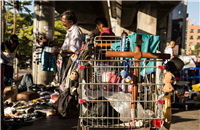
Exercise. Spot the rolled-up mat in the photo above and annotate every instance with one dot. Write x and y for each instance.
(175, 65)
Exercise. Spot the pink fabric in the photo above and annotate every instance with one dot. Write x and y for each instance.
(60, 63)
(112, 79)
(106, 32)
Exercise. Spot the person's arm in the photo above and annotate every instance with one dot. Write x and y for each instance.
(171, 53)
(18, 56)
(3, 58)
(54, 43)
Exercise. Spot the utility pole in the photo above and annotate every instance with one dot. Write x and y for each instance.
(43, 23)
(182, 50)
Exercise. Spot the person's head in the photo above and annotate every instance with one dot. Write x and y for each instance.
(124, 33)
(74, 75)
(101, 23)
(68, 19)
(14, 39)
(172, 44)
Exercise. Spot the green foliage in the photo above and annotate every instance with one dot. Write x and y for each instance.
(57, 16)
(24, 31)
(197, 49)
(59, 31)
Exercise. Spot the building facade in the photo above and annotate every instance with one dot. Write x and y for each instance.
(192, 37)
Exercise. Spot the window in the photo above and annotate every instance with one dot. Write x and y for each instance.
(198, 37)
(198, 30)
(191, 30)
(191, 37)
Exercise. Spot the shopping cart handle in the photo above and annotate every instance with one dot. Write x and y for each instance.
(132, 55)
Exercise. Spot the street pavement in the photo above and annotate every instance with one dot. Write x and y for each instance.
(181, 120)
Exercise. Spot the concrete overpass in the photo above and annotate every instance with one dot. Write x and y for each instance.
(128, 14)
(150, 17)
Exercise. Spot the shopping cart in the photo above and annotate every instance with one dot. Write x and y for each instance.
(109, 100)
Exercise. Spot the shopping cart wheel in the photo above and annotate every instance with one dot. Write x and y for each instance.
(167, 111)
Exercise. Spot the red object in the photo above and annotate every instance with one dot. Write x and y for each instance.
(81, 101)
(81, 67)
(54, 97)
(2, 74)
(161, 102)
(162, 67)
(157, 122)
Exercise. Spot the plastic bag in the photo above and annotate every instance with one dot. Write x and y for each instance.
(122, 106)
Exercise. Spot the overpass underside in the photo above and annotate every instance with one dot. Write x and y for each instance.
(134, 16)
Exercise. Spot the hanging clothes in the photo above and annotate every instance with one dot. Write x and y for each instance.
(38, 52)
(117, 45)
(150, 44)
(48, 61)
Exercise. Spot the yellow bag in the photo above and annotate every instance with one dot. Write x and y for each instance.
(196, 87)
(167, 111)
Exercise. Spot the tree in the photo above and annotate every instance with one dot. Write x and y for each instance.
(197, 50)
(24, 30)
(59, 29)
(24, 27)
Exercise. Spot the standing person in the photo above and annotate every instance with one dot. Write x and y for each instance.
(169, 50)
(102, 25)
(72, 42)
(9, 50)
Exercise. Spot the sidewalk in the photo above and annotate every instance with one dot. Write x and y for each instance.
(181, 120)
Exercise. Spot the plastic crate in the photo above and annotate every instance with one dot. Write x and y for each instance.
(196, 87)
(2, 74)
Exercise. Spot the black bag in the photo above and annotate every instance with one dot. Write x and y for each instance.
(67, 105)
(175, 65)
(100, 109)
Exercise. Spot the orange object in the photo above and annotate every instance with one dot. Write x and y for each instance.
(16, 114)
(104, 44)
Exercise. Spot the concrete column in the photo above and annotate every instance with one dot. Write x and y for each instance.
(43, 24)
(147, 19)
(182, 49)
(118, 18)
(169, 29)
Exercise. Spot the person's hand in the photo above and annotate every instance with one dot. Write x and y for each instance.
(52, 43)
(172, 56)
(56, 51)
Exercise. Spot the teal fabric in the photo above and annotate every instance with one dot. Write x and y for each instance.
(117, 45)
(150, 44)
